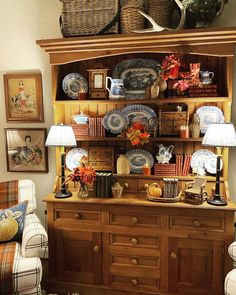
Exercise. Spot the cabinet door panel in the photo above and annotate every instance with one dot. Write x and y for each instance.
(195, 266)
(78, 256)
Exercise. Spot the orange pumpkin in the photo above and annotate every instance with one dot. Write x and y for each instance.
(154, 190)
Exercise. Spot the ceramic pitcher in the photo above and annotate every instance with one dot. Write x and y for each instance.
(206, 77)
(116, 90)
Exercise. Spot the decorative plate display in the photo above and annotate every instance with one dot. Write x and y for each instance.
(115, 121)
(139, 113)
(210, 164)
(206, 160)
(74, 83)
(137, 158)
(137, 73)
(208, 115)
(74, 158)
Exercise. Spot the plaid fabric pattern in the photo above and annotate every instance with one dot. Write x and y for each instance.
(8, 194)
(232, 251)
(27, 192)
(7, 253)
(35, 238)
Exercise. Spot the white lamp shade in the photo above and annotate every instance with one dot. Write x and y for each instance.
(61, 136)
(220, 135)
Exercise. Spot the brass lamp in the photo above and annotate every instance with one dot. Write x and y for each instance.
(61, 136)
(219, 135)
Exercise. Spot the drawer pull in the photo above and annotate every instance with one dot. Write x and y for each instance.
(96, 249)
(126, 185)
(134, 241)
(134, 282)
(173, 255)
(146, 186)
(77, 216)
(196, 223)
(134, 219)
(134, 261)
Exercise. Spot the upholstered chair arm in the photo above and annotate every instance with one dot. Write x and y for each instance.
(232, 250)
(35, 238)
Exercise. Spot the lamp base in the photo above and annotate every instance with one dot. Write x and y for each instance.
(63, 194)
(217, 201)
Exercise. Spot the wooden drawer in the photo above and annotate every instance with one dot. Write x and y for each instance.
(134, 218)
(67, 215)
(134, 241)
(135, 261)
(197, 223)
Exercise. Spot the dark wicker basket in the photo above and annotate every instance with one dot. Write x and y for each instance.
(88, 17)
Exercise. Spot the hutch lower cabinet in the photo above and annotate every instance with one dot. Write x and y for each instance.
(133, 246)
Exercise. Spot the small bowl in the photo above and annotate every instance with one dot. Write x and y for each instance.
(81, 118)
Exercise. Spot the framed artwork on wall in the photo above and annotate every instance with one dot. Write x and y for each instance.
(25, 150)
(23, 97)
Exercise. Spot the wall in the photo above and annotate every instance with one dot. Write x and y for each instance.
(22, 22)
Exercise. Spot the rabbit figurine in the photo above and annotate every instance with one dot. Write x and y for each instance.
(164, 154)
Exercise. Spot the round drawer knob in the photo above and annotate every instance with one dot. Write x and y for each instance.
(134, 241)
(77, 216)
(146, 186)
(173, 255)
(134, 261)
(134, 282)
(134, 219)
(126, 185)
(196, 223)
(96, 249)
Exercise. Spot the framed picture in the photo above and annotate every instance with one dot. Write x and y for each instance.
(25, 150)
(23, 97)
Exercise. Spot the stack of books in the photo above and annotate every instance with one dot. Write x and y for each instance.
(183, 164)
(170, 188)
(206, 90)
(96, 128)
(102, 185)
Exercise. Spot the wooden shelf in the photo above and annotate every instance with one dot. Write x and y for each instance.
(163, 139)
(184, 178)
(158, 101)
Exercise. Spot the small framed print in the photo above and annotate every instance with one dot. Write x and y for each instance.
(25, 150)
(23, 97)
(97, 83)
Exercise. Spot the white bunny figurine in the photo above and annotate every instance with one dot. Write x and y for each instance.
(164, 154)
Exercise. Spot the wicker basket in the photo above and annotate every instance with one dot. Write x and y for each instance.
(130, 18)
(88, 17)
(160, 11)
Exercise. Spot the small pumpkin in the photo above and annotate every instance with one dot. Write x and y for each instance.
(8, 225)
(154, 190)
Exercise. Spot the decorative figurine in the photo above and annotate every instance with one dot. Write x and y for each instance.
(164, 154)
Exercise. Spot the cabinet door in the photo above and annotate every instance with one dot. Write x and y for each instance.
(195, 266)
(78, 256)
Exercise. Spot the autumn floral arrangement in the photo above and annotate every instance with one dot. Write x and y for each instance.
(84, 175)
(170, 67)
(137, 134)
(189, 80)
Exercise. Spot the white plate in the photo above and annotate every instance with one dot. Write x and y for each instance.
(200, 157)
(137, 159)
(139, 113)
(74, 83)
(209, 115)
(211, 164)
(74, 158)
(115, 121)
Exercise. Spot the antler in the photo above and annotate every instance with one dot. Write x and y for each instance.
(157, 28)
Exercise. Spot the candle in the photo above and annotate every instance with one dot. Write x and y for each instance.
(184, 131)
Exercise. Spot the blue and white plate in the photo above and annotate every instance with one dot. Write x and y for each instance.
(138, 158)
(74, 158)
(115, 121)
(210, 164)
(205, 160)
(209, 115)
(139, 113)
(73, 84)
(138, 74)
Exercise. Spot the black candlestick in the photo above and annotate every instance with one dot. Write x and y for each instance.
(217, 199)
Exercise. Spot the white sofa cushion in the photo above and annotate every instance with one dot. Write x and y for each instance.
(230, 283)
(27, 192)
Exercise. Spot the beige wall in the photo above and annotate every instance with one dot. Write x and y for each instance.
(22, 22)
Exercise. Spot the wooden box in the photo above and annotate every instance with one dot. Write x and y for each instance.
(101, 158)
(165, 169)
(170, 120)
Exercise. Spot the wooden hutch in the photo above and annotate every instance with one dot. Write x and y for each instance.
(131, 245)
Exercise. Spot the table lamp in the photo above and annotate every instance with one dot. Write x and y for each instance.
(219, 135)
(61, 136)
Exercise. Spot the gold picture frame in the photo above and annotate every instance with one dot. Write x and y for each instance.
(26, 150)
(23, 97)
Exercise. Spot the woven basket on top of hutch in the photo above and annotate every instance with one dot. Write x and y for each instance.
(131, 244)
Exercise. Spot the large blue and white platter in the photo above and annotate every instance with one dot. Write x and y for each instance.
(115, 121)
(138, 158)
(138, 74)
(139, 113)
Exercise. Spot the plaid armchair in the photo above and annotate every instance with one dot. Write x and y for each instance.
(27, 267)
